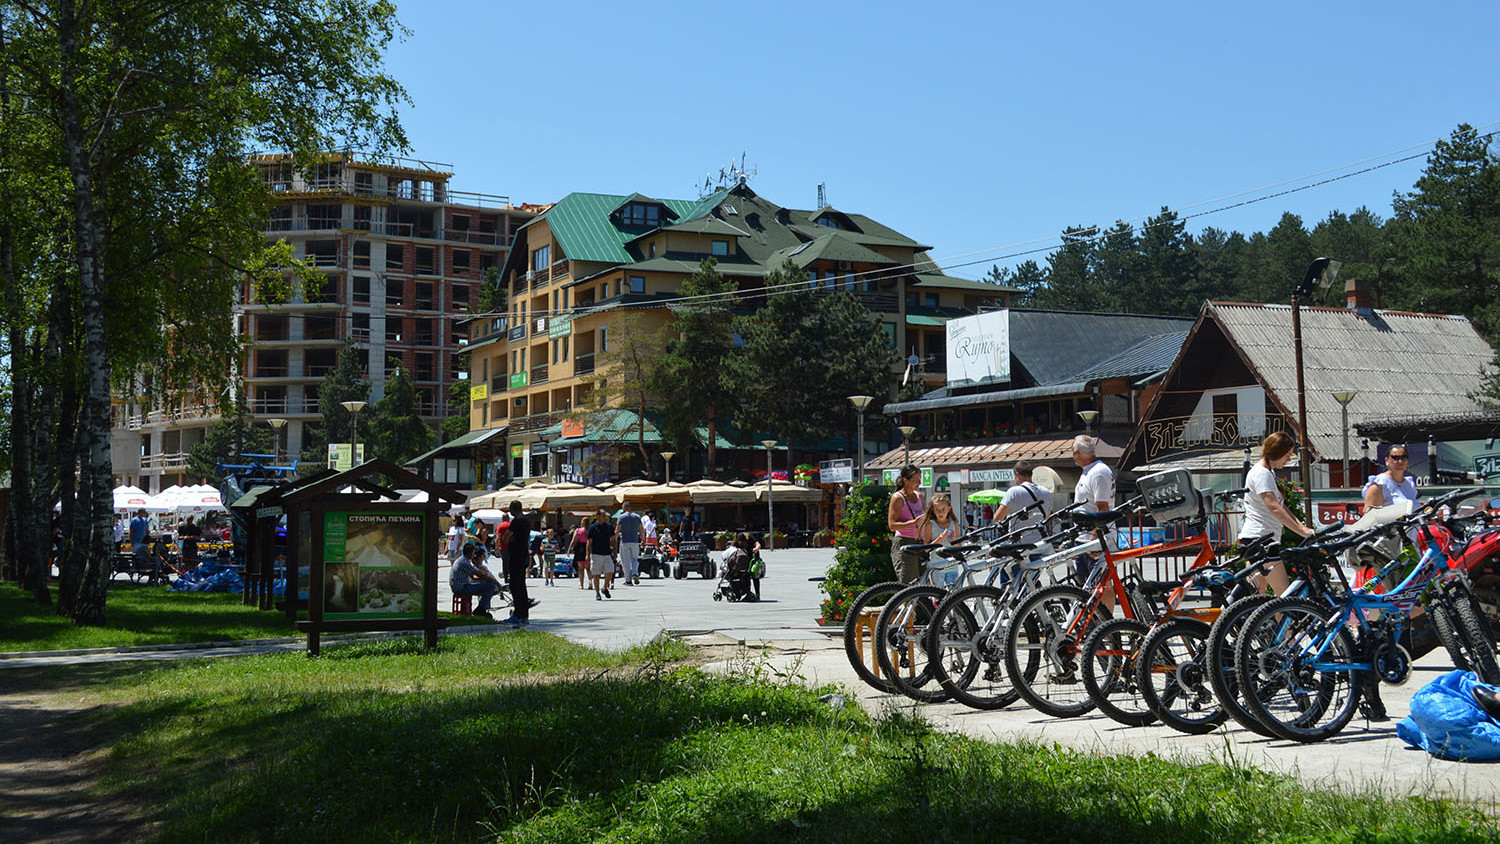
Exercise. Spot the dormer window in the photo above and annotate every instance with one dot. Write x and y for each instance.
(641, 214)
(720, 248)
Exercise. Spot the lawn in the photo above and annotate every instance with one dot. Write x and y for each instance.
(136, 614)
(525, 737)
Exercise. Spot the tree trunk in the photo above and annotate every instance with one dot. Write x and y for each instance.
(713, 439)
(96, 470)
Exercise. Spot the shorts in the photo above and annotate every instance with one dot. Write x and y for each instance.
(601, 565)
(908, 565)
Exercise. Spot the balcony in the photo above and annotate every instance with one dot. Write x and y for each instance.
(539, 327)
(499, 383)
(878, 302)
(583, 364)
(164, 462)
(539, 374)
(559, 269)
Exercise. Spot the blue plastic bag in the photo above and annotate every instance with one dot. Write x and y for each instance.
(1446, 722)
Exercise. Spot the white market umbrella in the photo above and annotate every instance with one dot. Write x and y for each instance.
(786, 492)
(490, 516)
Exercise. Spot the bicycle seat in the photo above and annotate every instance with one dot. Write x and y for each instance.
(957, 552)
(1096, 518)
(1011, 549)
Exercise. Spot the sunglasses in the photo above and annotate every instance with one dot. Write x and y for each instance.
(1396, 457)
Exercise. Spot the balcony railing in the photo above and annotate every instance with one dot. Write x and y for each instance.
(560, 269)
(164, 462)
(583, 364)
(499, 383)
(879, 302)
(539, 374)
(283, 405)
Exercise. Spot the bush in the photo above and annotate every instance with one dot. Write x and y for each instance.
(823, 538)
(864, 555)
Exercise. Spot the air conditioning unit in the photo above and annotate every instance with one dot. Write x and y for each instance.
(530, 276)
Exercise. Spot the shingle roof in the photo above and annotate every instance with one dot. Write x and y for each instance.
(1152, 354)
(1396, 361)
(1056, 346)
(830, 246)
(1042, 450)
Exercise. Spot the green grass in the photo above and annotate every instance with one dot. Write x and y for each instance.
(527, 738)
(136, 614)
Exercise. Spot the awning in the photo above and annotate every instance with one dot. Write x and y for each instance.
(918, 319)
(1213, 462)
(990, 455)
(470, 439)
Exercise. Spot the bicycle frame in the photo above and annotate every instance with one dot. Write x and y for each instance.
(1105, 581)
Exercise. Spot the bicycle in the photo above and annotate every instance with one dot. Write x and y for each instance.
(1310, 670)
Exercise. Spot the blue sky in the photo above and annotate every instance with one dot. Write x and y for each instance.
(982, 129)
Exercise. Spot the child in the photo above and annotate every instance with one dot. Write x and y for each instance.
(549, 557)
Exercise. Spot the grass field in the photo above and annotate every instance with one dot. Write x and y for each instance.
(525, 737)
(136, 614)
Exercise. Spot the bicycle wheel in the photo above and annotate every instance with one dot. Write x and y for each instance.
(1109, 677)
(1041, 654)
(1172, 671)
(901, 640)
(1297, 656)
(1447, 632)
(1472, 631)
(857, 631)
(967, 643)
(1222, 676)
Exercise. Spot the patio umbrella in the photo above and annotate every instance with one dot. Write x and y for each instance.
(987, 496)
(786, 492)
(1047, 478)
(490, 516)
(569, 496)
(714, 492)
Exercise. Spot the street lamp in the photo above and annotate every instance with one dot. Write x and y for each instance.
(354, 407)
(1364, 459)
(860, 403)
(770, 529)
(667, 456)
(906, 432)
(1088, 417)
(1320, 273)
(277, 423)
(1343, 397)
(547, 445)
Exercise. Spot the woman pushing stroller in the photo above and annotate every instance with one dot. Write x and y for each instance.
(738, 562)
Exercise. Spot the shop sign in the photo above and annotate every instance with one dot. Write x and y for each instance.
(573, 428)
(991, 476)
(836, 471)
(517, 380)
(979, 349)
(517, 451)
(339, 456)
(559, 327)
(1333, 513)
(479, 392)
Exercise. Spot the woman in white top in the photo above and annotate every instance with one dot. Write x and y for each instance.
(1393, 485)
(1266, 512)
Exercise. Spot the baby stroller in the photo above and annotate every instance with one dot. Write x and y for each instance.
(734, 583)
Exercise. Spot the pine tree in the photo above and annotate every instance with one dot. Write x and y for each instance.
(395, 430)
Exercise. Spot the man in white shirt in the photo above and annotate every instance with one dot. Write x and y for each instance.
(1096, 486)
(1028, 502)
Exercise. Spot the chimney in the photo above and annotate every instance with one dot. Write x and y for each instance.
(1359, 294)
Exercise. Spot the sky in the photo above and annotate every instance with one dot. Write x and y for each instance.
(980, 129)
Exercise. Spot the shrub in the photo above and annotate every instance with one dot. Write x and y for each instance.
(864, 555)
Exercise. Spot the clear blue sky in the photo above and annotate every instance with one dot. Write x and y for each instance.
(973, 127)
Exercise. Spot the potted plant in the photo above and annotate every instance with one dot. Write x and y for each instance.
(823, 539)
(722, 539)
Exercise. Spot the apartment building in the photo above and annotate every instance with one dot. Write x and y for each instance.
(402, 256)
(573, 268)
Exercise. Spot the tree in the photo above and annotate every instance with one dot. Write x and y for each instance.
(693, 369)
(153, 107)
(235, 434)
(395, 430)
(624, 376)
(1070, 283)
(456, 421)
(1027, 277)
(1112, 270)
(345, 382)
(1165, 277)
(804, 351)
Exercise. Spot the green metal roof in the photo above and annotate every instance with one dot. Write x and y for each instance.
(918, 319)
(580, 224)
(951, 283)
(831, 246)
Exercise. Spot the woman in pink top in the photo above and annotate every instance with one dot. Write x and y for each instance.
(580, 549)
(906, 516)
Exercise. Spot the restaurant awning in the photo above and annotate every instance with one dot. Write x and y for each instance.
(1042, 451)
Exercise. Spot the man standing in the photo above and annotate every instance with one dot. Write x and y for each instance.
(628, 528)
(517, 561)
(601, 560)
(140, 531)
(1028, 502)
(1095, 489)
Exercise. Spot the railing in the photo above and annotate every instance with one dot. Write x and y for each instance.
(559, 269)
(316, 260)
(471, 236)
(359, 333)
(166, 461)
(499, 384)
(541, 421)
(282, 405)
(583, 364)
(270, 372)
(539, 374)
(882, 302)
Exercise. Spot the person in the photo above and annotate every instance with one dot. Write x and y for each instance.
(538, 562)
(942, 524)
(648, 527)
(1393, 486)
(516, 560)
(1028, 502)
(628, 529)
(549, 557)
(757, 568)
(187, 538)
(468, 576)
(119, 531)
(580, 549)
(1095, 488)
(455, 539)
(905, 518)
(1266, 512)
(601, 561)
(737, 566)
(140, 531)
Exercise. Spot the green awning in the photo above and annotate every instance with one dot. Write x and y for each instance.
(918, 319)
(471, 438)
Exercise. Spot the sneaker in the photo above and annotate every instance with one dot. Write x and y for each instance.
(1373, 710)
(517, 622)
(637, 581)
(531, 602)
(598, 597)
(485, 614)
(606, 593)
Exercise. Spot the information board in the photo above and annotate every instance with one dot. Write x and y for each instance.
(372, 565)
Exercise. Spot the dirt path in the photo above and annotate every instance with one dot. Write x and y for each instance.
(49, 767)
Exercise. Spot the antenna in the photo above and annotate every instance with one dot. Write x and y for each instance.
(822, 195)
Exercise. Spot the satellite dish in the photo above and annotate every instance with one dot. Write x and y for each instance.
(1046, 478)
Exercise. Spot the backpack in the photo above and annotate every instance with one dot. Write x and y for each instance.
(757, 567)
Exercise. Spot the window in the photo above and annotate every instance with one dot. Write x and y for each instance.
(565, 349)
(362, 255)
(461, 297)
(424, 259)
(930, 300)
(426, 368)
(890, 334)
(361, 290)
(395, 292)
(362, 217)
(619, 287)
(392, 330)
(360, 327)
(488, 260)
(641, 214)
(319, 327)
(424, 296)
(720, 247)
(395, 256)
(425, 332)
(935, 346)
(364, 183)
(461, 260)
(281, 219)
(637, 284)
(541, 258)
(271, 328)
(604, 339)
(461, 222)
(320, 362)
(323, 216)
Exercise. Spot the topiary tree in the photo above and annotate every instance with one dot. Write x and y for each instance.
(864, 555)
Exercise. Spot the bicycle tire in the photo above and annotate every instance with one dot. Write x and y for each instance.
(968, 652)
(1043, 666)
(1471, 630)
(901, 636)
(1172, 672)
(1222, 674)
(1447, 632)
(876, 595)
(1298, 702)
(1109, 675)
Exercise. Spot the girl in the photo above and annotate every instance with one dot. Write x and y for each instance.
(905, 517)
(942, 523)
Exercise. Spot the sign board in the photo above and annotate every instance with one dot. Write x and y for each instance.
(479, 392)
(992, 476)
(1487, 465)
(836, 471)
(1337, 512)
(927, 478)
(517, 380)
(372, 565)
(339, 456)
(538, 448)
(517, 451)
(559, 327)
(891, 477)
(573, 428)
(979, 349)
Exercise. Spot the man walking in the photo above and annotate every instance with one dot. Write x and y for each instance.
(517, 560)
(601, 560)
(1095, 490)
(1027, 502)
(628, 529)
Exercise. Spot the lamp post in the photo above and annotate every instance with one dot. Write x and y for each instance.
(354, 407)
(667, 456)
(1343, 397)
(277, 423)
(1364, 459)
(906, 432)
(547, 444)
(1320, 273)
(1431, 459)
(860, 403)
(1088, 417)
(770, 529)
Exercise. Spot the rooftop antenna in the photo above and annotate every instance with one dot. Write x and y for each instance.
(822, 195)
